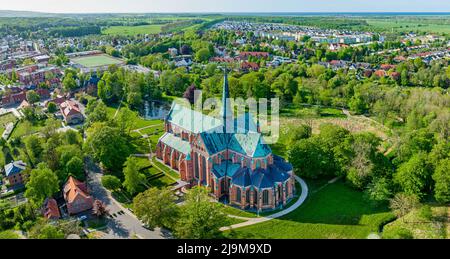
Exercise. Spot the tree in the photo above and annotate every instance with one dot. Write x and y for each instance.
(379, 190)
(43, 183)
(69, 82)
(297, 133)
(189, 94)
(133, 178)
(403, 203)
(111, 182)
(51, 127)
(75, 167)
(44, 230)
(97, 112)
(126, 120)
(33, 97)
(99, 209)
(441, 178)
(414, 176)
(33, 146)
(51, 107)
(203, 55)
(156, 208)
(107, 145)
(200, 217)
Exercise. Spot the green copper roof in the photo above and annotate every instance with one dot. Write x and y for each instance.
(226, 168)
(250, 144)
(176, 143)
(191, 120)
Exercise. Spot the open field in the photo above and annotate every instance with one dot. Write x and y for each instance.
(133, 30)
(97, 61)
(334, 211)
(414, 225)
(410, 24)
(5, 119)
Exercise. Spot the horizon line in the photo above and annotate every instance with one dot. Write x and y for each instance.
(239, 12)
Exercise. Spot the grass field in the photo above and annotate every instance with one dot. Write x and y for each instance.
(408, 24)
(133, 30)
(5, 119)
(414, 225)
(23, 128)
(96, 61)
(335, 211)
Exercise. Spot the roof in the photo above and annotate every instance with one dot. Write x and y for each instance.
(69, 108)
(14, 168)
(51, 209)
(73, 189)
(226, 168)
(176, 143)
(191, 120)
(260, 178)
(250, 144)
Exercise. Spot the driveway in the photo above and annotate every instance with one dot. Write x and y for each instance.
(122, 226)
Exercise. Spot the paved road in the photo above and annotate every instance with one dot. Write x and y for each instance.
(125, 225)
(252, 221)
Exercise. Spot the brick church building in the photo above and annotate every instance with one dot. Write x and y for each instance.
(237, 166)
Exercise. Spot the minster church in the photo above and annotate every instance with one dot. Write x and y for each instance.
(238, 166)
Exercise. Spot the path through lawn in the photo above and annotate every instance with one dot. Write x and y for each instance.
(336, 211)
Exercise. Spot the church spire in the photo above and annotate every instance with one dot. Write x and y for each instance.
(227, 113)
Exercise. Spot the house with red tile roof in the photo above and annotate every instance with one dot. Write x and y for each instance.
(380, 73)
(249, 66)
(71, 112)
(246, 54)
(50, 209)
(76, 196)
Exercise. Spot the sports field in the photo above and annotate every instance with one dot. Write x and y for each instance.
(97, 61)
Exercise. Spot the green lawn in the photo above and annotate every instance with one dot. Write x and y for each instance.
(409, 24)
(22, 129)
(97, 61)
(133, 30)
(336, 211)
(5, 119)
(414, 225)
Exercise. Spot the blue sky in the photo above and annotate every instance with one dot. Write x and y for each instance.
(227, 5)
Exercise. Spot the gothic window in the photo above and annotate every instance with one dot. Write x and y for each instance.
(247, 196)
(238, 194)
(203, 169)
(258, 163)
(222, 186)
(196, 166)
(265, 197)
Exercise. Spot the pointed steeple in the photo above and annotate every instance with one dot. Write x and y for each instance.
(227, 113)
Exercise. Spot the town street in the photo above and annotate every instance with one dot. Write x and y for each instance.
(122, 226)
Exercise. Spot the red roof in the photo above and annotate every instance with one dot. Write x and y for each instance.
(245, 54)
(73, 188)
(69, 108)
(51, 210)
(249, 65)
(380, 73)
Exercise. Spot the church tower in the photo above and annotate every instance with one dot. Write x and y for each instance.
(227, 112)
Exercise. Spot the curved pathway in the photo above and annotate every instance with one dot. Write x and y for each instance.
(253, 221)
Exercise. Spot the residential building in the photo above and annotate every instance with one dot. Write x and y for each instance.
(76, 196)
(50, 209)
(71, 112)
(14, 172)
